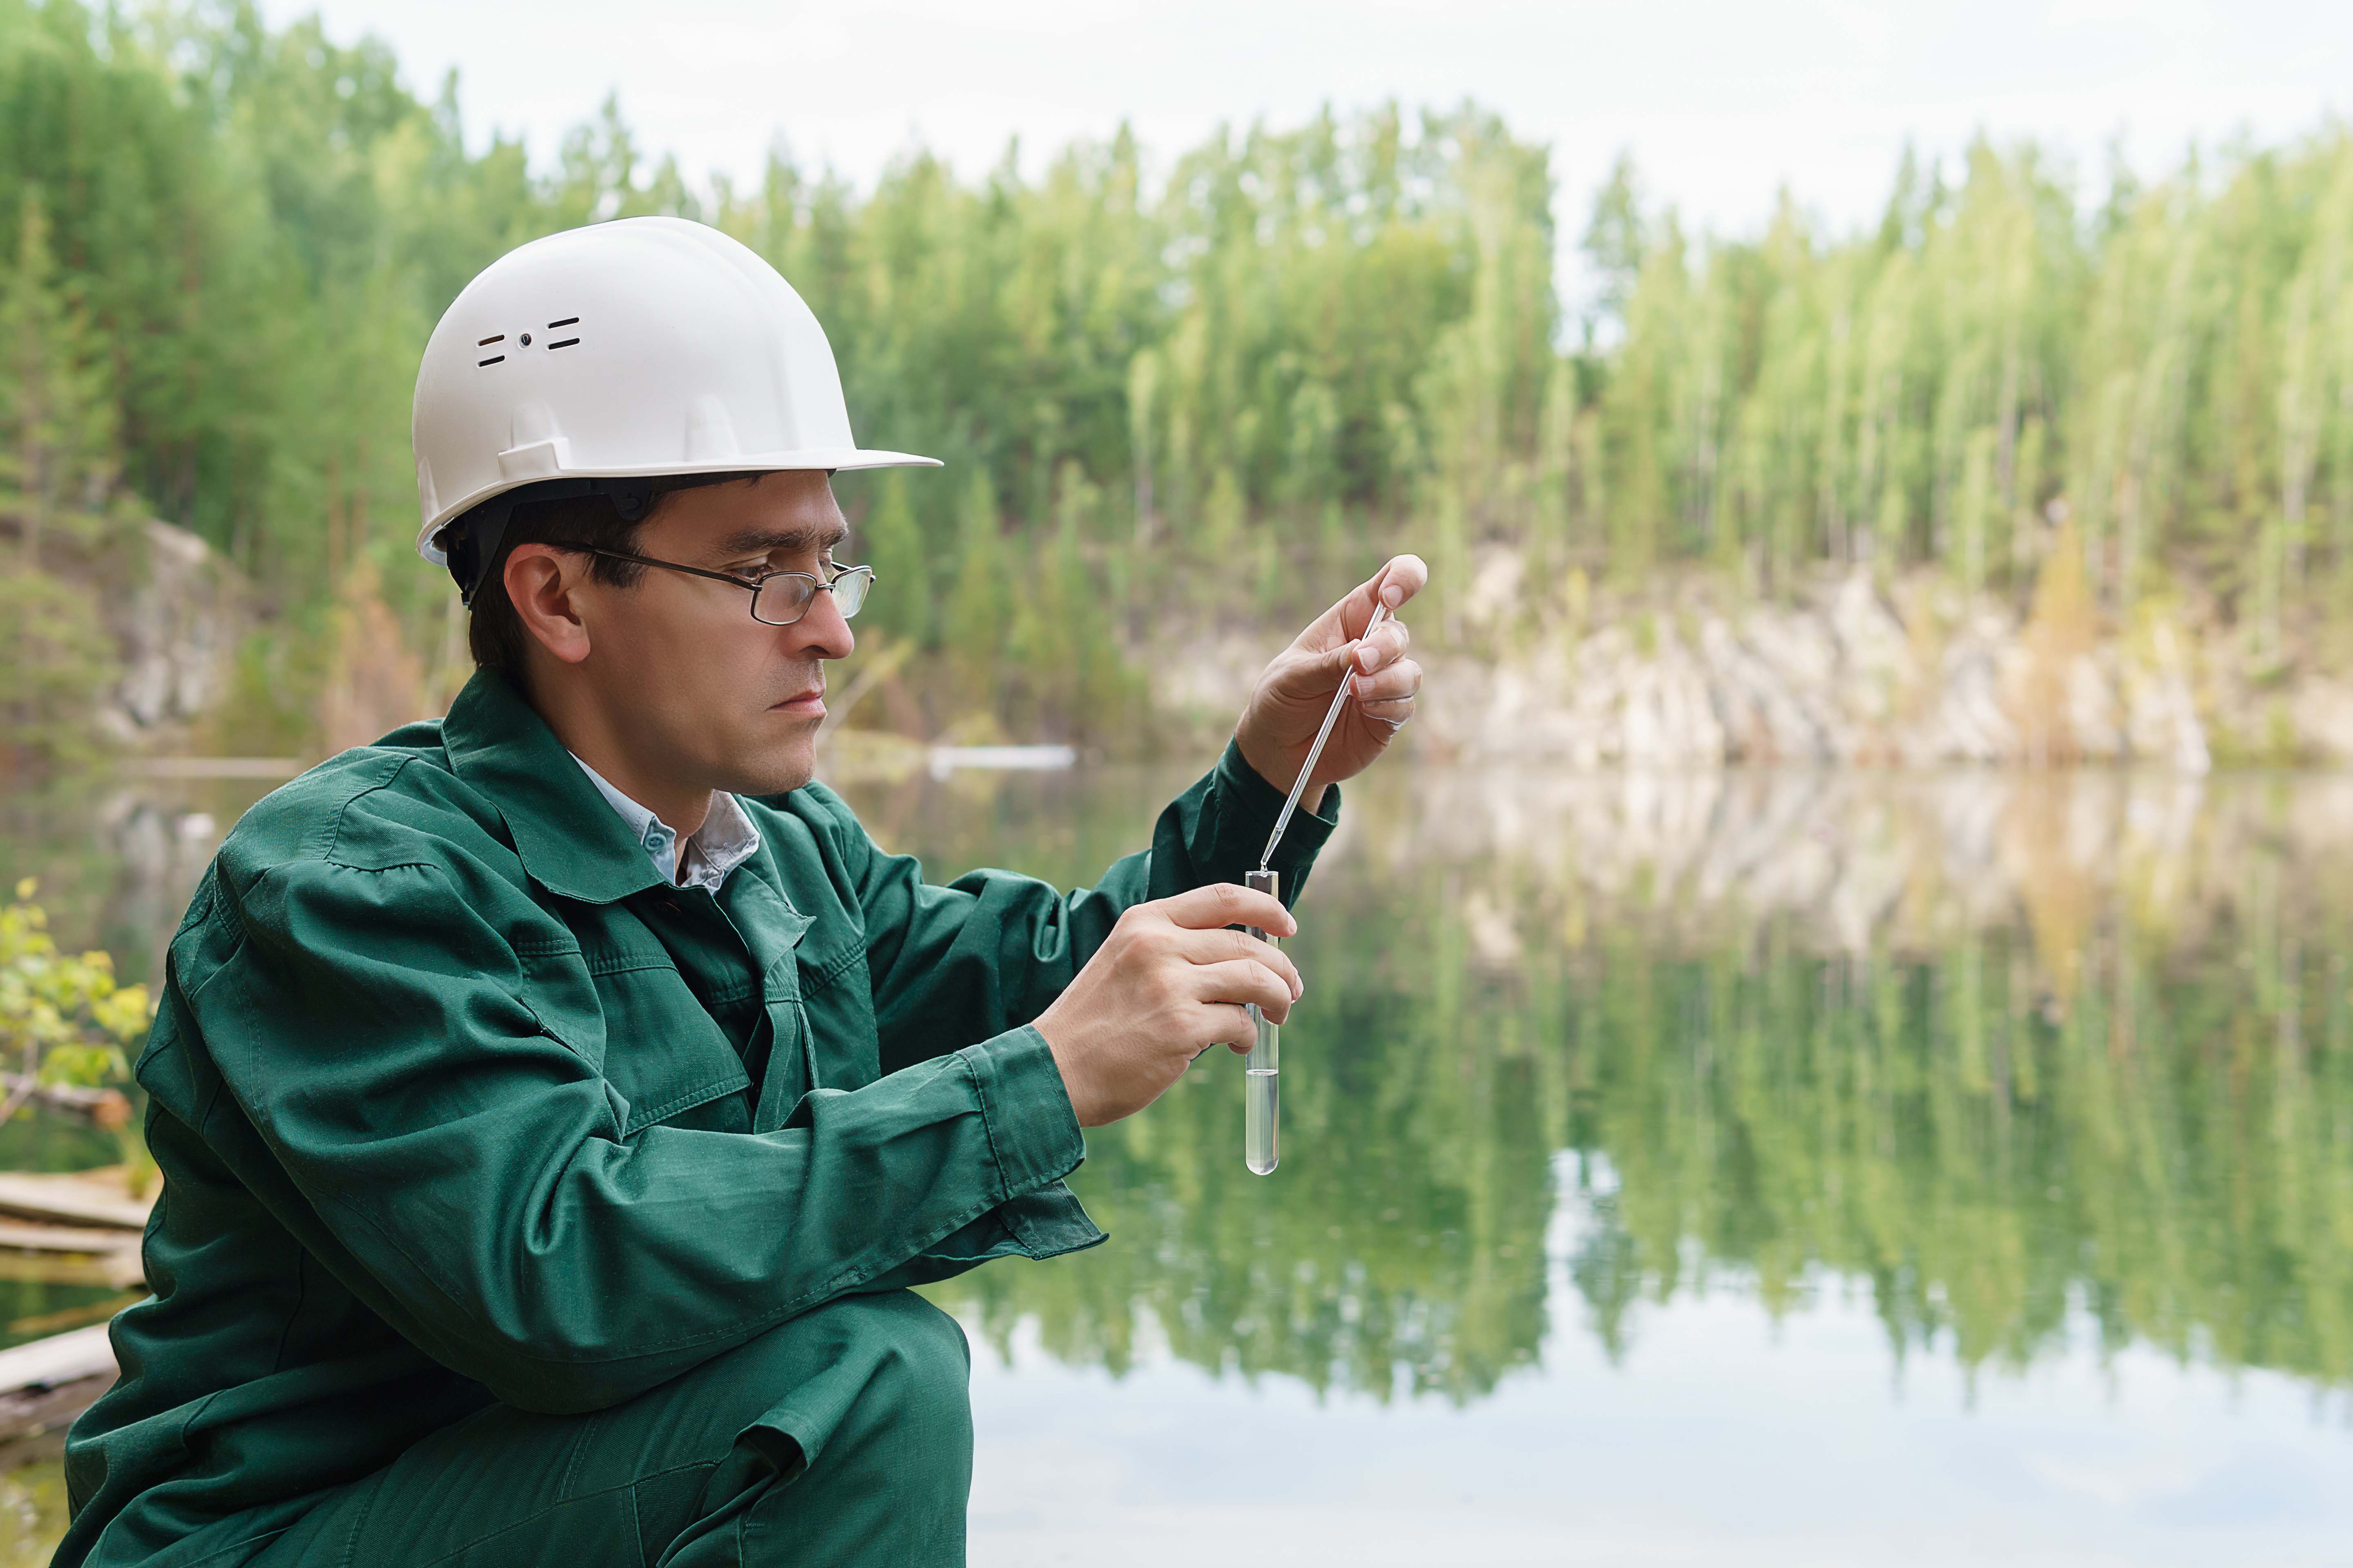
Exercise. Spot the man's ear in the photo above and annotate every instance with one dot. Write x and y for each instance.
(540, 581)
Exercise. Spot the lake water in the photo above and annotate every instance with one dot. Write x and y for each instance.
(1772, 1167)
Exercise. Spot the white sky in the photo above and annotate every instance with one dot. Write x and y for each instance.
(1721, 101)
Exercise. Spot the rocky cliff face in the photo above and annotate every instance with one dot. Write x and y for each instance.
(1850, 672)
(1841, 680)
(176, 616)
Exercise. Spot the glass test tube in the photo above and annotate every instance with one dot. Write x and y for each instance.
(1261, 1076)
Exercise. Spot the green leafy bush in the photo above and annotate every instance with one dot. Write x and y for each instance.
(62, 1016)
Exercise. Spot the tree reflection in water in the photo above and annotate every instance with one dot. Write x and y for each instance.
(2011, 1053)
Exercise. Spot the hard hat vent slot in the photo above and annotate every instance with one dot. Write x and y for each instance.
(567, 321)
(494, 359)
(486, 342)
(564, 344)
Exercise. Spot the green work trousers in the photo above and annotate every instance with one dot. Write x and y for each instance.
(842, 1436)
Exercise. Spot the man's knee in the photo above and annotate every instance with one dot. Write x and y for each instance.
(852, 1440)
(858, 1376)
(901, 1391)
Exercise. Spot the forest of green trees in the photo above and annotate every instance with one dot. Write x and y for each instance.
(1169, 389)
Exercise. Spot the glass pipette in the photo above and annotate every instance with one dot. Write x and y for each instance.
(1262, 1072)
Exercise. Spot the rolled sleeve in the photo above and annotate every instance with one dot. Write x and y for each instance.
(1032, 1130)
(1037, 1142)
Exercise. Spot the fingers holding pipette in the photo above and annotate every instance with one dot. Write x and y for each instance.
(1384, 645)
(1365, 630)
(1399, 579)
(1333, 641)
(1389, 695)
(1360, 637)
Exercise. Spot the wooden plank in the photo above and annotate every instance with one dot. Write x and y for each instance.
(25, 1236)
(79, 1198)
(60, 1358)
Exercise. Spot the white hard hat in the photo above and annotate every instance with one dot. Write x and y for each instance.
(646, 346)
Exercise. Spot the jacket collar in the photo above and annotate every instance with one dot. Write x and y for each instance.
(726, 840)
(570, 841)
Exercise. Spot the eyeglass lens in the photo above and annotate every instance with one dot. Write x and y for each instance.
(784, 598)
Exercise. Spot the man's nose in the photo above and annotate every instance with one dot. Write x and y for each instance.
(822, 632)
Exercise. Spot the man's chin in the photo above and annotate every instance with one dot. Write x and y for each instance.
(778, 768)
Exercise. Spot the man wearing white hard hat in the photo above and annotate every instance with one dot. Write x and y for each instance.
(556, 1099)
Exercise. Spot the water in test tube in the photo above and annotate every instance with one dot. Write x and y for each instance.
(1262, 1072)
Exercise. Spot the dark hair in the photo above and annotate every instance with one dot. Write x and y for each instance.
(494, 632)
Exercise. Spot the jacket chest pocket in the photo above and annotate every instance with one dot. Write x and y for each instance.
(665, 1055)
(840, 1008)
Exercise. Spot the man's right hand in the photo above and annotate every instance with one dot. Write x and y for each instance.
(1167, 983)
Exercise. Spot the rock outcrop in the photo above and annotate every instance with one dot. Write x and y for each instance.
(177, 612)
(1851, 672)
(1842, 678)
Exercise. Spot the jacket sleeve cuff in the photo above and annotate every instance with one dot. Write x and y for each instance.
(1247, 807)
(1032, 1131)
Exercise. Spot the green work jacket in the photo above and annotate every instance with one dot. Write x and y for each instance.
(456, 1100)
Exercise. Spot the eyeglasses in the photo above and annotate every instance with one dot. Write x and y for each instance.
(778, 598)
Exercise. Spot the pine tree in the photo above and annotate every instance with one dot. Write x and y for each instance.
(58, 469)
(59, 463)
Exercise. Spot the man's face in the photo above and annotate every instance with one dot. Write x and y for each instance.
(696, 690)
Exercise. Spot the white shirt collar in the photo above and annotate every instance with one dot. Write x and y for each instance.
(726, 840)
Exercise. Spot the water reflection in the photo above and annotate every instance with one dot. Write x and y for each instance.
(1996, 1049)
(117, 859)
(2003, 1052)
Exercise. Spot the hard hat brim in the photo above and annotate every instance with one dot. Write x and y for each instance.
(832, 459)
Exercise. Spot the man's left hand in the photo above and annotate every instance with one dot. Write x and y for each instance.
(1294, 694)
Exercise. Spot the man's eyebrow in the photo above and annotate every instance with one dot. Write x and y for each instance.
(791, 541)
